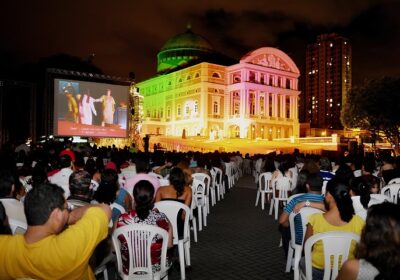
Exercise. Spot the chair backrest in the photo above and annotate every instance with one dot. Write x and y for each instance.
(17, 227)
(300, 226)
(155, 175)
(172, 210)
(394, 181)
(293, 196)
(264, 182)
(282, 185)
(137, 240)
(216, 174)
(336, 246)
(198, 191)
(377, 199)
(392, 192)
(204, 178)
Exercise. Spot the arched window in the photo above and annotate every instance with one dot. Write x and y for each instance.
(216, 75)
(168, 112)
(215, 107)
(197, 75)
(188, 77)
(179, 110)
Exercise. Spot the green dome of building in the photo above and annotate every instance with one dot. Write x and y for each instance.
(187, 40)
(183, 49)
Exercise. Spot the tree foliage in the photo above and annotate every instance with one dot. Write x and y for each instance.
(375, 106)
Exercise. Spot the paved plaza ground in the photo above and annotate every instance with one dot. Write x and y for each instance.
(240, 242)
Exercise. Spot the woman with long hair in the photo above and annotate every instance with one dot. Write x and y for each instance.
(378, 253)
(178, 190)
(144, 214)
(340, 216)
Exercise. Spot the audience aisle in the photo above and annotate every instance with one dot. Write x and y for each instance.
(240, 242)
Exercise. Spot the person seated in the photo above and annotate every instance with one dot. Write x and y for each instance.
(177, 190)
(79, 185)
(50, 248)
(325, 168)
(61, 178)
(360, 195)
(340, 216)
(109, 193)
(144, 214)
(313, 185)
(142, 163)
(14, 207)
(378, 253)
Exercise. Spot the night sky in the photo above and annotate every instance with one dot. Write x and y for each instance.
(125, 35)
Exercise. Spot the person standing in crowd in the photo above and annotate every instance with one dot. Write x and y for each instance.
(50, 249)
(61, 178)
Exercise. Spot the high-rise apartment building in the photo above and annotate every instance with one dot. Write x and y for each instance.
(328, 79)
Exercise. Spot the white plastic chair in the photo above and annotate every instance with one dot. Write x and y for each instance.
(17, 227)
(230, 174)
(199, 189)
(281, 187)
(218, 179)
(264, 188)
(336, 246)
(392, 192)
(207, 180)
(138, 240)
(172, 210)
(192, 217)
(295, 248)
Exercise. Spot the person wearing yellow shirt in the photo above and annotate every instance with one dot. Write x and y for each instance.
(57, 243)
(339, 217)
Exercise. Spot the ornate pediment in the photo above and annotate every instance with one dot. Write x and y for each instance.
(270, 60)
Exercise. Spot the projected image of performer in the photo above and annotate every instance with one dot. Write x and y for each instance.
(73, 112)
(108, 106)
(86, 108)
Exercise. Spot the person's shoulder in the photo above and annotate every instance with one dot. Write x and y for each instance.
(349, 269)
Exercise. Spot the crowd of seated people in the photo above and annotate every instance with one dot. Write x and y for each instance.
(116, 186)
(350, 189)
(60, 182)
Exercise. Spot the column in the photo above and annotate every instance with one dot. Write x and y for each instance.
(257, 103)
(283, 106)
(275, 105)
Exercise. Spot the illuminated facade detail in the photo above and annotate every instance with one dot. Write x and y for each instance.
(255, 98)
(328, 79)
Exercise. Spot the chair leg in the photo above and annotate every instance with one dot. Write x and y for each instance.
(200, 216)
(289, 259)
(257, 198)
(276, 209)
(194, 225)
(187, 253)
(262, 200)
(181, 259)
(271, 206)
(205, 215)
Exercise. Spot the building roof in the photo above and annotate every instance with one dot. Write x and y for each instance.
(187, 40)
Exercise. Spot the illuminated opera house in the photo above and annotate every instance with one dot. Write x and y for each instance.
(200, 92)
